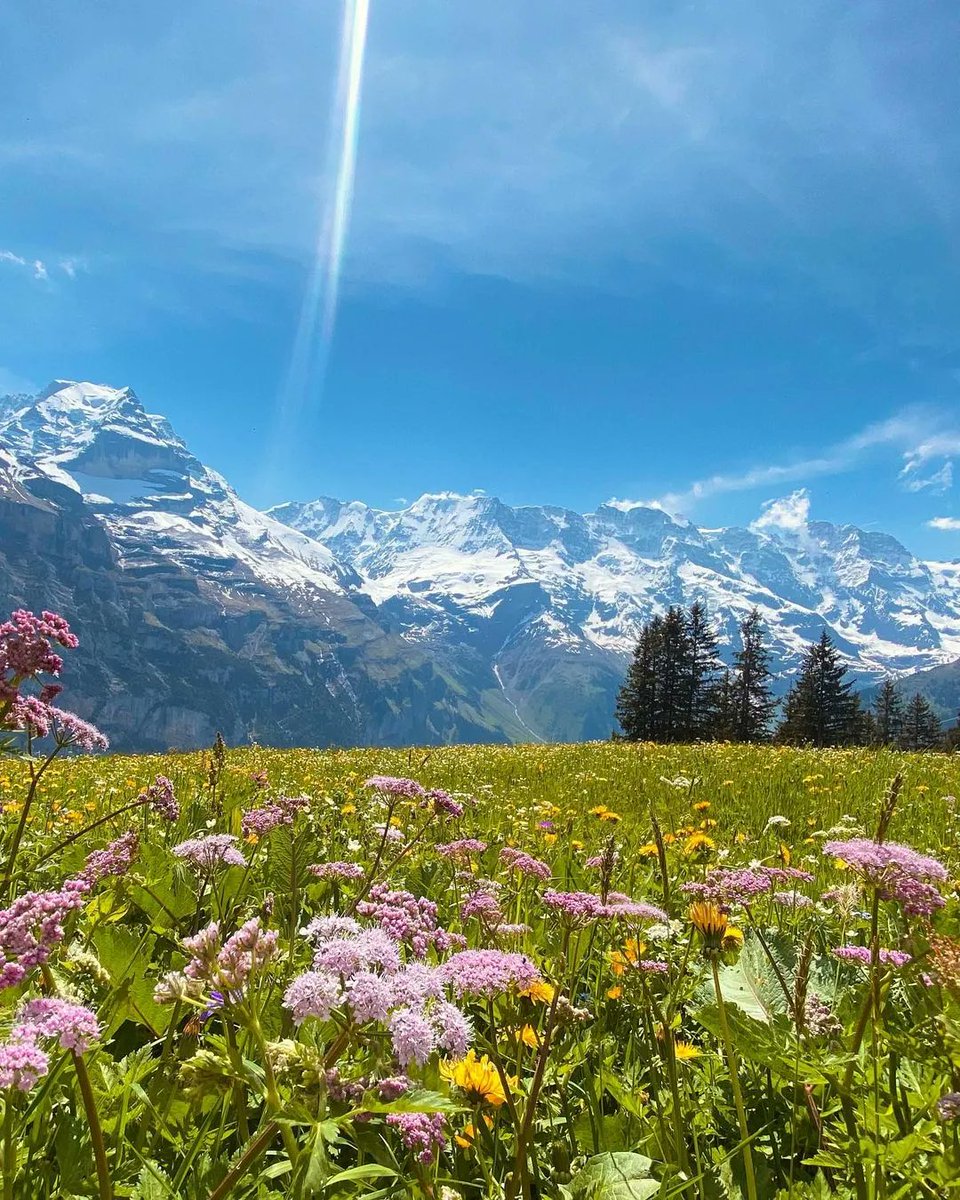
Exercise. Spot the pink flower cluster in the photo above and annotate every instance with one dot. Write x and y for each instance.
(581, 907)
(159, 795)
(899, 872)
(113, 859)
(32, 926)
(408, 919)
(392, 785)
(525, 864)
(337, 870)
(26, 648)
(362, 968)
(282, 811)
(489, 973)
(862, 955)
(461, 849)
(423, 1133)
(212, 851)
(228, 966)
(22, 1060)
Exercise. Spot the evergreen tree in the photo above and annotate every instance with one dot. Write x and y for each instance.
(724, 715)
(887, 715)
(637, 698)
(702, 669)
(752, 701)
(821, 709)
(672, 673)
(921, 726)
(951, 740)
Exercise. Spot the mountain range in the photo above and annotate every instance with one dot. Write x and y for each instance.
(455, 618)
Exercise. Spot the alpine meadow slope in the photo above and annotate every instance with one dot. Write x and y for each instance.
(456, 618)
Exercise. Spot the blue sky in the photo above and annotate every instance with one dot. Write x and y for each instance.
(698, 253)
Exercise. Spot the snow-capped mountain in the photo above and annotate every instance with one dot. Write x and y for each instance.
(458, 617)
(196, 612)
(551, 600)
(156, 499)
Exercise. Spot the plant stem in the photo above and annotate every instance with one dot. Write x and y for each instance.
(104, 1184)
(734, 1068)
(249, 1157)
(9, 1150)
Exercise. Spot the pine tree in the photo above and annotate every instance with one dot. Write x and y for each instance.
(921, 726)
(672, 672)
(821, 709)
(724, 715)
(887, 715)
(637, 698)
(702, 669)
(753, 703)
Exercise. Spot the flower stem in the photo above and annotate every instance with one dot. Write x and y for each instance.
(104, 1184)
(734, 1068)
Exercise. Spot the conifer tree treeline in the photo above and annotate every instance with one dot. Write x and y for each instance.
(678, 690)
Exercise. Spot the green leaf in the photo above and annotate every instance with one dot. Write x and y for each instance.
(615, 1176)
(367, 1171)
(752, 985)
(153, 1184)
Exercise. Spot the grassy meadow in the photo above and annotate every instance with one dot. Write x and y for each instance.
(575, 1021)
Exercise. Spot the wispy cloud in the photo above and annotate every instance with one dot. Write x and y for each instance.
(916, 434)
(790, 513)
(945, 524)
(36, 265)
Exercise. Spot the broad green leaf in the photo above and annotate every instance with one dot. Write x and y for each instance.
(619, 1175)
(367, 1171)
(752, 985)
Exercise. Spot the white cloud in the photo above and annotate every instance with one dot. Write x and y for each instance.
(917, 434)
(947, 524)
(939, 482)
(36, 265)
(790, 513)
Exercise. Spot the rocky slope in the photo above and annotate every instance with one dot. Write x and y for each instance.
(197, 612)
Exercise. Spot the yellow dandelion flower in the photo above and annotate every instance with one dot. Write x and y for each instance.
(614, 993)
(541, 991)
(699, 843)
(575, 845)
(528, 1035)
(549, 838)
(709, 922)
(685, 1051)
(347, 809)
(478, 1079)
(648, 850)
(610, 816)
(701, 806)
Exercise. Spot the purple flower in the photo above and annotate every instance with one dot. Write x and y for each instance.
(114, 859)
(322, 929)
(312, 994)
(862, 955)
(25, 645)
(393, 1087)
(208, 853)
(370, 996)
(159, 795)
(32, 926)
(876, 860)
(73, 1026)
(525, 864)
(346, 955)
(408, 919)
(228, 966)
(728, 887)
(71, 730)
(455, 1030)
(337, 870)
(391, 785)
(420, 1132)
(444, 803)
(483, 904)
(488, 972)
(22, 1063)
(584, 906)
(792, 900)
(461, 849)
(414, 1038)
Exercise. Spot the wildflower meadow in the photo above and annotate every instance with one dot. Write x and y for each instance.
(611, 971)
